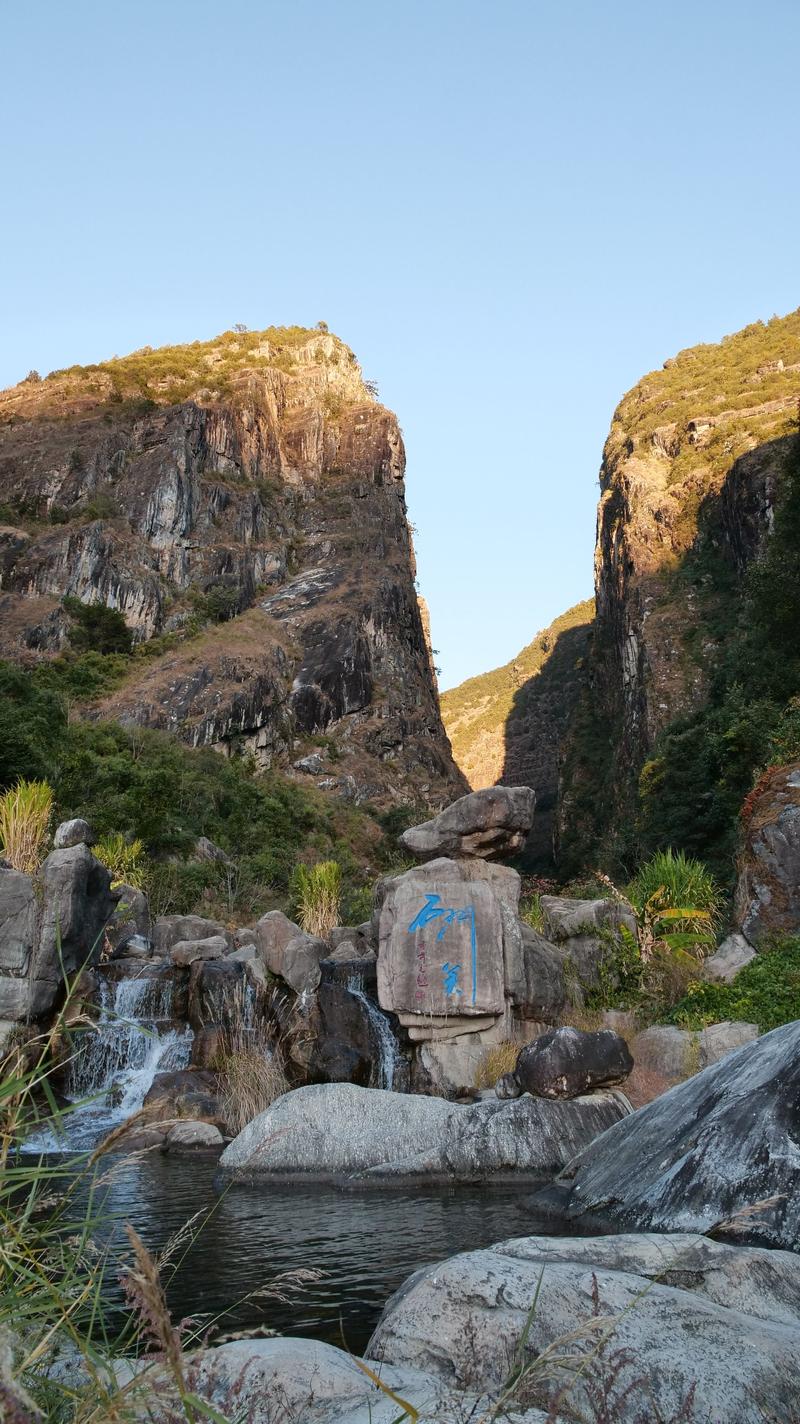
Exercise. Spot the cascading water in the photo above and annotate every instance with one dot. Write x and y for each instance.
(385, 1041)
(115, 1062)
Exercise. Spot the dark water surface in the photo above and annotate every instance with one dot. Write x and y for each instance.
(366, 1242)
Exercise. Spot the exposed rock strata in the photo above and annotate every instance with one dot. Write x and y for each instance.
(255, 476)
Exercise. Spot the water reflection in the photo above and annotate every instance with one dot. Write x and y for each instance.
(367, 1243)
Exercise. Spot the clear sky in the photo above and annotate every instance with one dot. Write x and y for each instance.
(509, 210)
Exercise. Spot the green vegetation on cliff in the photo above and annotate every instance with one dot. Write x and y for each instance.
(694, 675)
(146, 785)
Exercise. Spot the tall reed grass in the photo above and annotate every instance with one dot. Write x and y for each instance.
(25, 812)
(318, 896)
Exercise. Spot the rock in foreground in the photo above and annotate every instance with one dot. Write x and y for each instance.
(297, 1381)
(334, 1130)
(705, 1150)
(565, 1062)
(487, 823)
(701, 1331)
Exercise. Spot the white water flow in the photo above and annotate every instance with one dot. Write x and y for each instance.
(115, 1062)
(385, 1041)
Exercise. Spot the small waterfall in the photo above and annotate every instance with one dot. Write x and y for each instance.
(115, 1063)
(385, 1041)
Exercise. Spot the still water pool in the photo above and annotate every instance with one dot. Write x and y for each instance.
(366, 1243)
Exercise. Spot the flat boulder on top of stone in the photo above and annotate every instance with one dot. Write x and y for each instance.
(186, 951)
(171, 929)
(566, 1062)
(484, 824)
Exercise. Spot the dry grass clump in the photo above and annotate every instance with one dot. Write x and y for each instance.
(25, 811)
(252, 1079)
(495, 1062)
(124, 858)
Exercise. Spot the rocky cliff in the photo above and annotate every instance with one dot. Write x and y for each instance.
(241, 503)
(506, 726)
(699, 470)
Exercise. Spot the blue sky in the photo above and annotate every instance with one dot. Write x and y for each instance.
(510, 211)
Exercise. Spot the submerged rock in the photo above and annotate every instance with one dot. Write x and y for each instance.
(565, 1062)
(677, 1327)
(703, 1151)
(335, 1130)
(488, 823)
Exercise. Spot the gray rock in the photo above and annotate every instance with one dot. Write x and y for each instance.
(244, 954)
(312, 765)
(767, 898)
(333, 1130)
(545, 987)
(130, 919)
(677, 1053)
(733, 954)
(206, 850)
(273, 932)
(72, 833)
(17, 920)
(582, 928)
(194, 1134)
(508, 1087)
(703, 1151)
(450, 940)
(171, 929)
(679, 1311)
(298, 1381)
(300, 963)
(492, 822)
(186, 951)
(77, 903)
(566, 1062)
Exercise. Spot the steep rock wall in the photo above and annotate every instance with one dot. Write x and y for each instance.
(244, 497)
(691, 471)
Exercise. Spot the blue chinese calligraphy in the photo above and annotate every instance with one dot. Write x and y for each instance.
(433, 910)
(450, 973)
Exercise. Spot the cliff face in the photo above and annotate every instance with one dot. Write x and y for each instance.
(507, 726)
(241, 502)
(692, 474)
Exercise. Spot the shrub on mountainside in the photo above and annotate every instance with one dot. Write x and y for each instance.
(95, 628)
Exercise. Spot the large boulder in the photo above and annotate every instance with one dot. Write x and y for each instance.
(710, 1147)
(72, 833)
(333, 1130)
(450, 942)
(767, 899)
(627, 1328)
(130, 921)
(299, 1381)
(545, 994)
(566, 1062)
(300, 966)
(272, 934)
(188, 951)
(75, 906)
(485, 824)
(585, 931)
